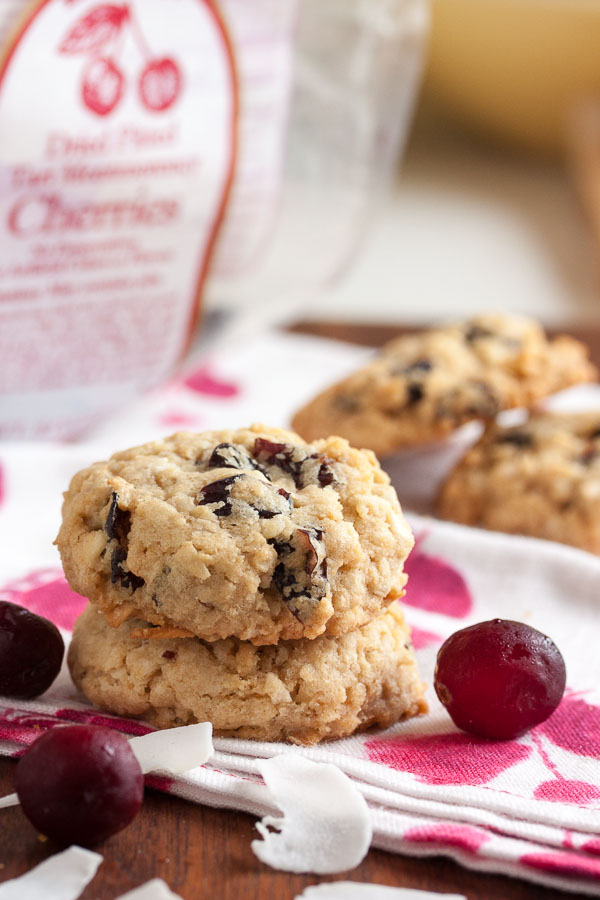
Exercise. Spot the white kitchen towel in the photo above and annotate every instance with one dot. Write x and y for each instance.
(528, 808)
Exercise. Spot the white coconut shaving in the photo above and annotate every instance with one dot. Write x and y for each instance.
(174, 750)
(9, 800)
(61, 877)
(152, 890)
(355, 890)
(325, 827)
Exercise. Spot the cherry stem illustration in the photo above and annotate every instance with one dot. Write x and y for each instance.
(138, 36)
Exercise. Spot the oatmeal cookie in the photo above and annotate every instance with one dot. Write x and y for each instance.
(423, 386)
(541, 479)
(301, 691)
(251, 533)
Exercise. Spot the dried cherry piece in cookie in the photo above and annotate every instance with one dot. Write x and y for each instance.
(117, 527)
(517, 438)
(218, 492)
(251, 493)
(415, 393)
(80, 784)
(31, 652)
(228, 456)
(499, 678)
(301, 573)
(304, 468)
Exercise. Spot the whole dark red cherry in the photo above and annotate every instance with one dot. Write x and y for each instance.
(499, 678)
(80, 784)
(31, 652)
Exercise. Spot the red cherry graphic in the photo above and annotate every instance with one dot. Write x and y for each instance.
(102, 86)
(160, 84)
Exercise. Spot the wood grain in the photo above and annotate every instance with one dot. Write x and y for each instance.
(205, 853)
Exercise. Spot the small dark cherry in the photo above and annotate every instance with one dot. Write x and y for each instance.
(499, 678)
(80, 784)
(31, 652)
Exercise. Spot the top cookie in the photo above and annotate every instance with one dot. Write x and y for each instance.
(541, 479)
(251, 533)
(423, 386)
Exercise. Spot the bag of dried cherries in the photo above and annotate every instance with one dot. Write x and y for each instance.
(155, 150)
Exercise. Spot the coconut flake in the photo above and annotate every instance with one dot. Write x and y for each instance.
(326, 826)
(174, 750)
(152, 890)
(9, 800)
(61, 877)
(354, 890)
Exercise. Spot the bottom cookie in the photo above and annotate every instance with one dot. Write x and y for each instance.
(300, 691)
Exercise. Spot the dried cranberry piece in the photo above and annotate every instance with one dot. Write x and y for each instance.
(80, 784)
(474, 398)
(477, 332)
(218, 492)
(121, 575)
(118, 521)
(228, 456)
(117, 527)
(415, 393)
(301, 466)
(518, 438)
(31, 652)
(346, 404)
(420, 365)
(271, 513)
(325, 476)
(499, 678)
(300, 576)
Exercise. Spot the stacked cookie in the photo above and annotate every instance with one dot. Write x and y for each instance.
(541, 479)
(244, 578)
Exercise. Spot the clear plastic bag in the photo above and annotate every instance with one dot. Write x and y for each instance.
(231, 151)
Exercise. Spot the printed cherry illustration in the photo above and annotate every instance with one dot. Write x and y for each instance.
(499, 678)
(102, 86)
(80, 784)
(31, 652)
(160, 84)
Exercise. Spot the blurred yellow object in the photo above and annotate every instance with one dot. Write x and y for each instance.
(513, 69)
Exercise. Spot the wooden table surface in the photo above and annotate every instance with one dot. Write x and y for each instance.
(205, 853)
